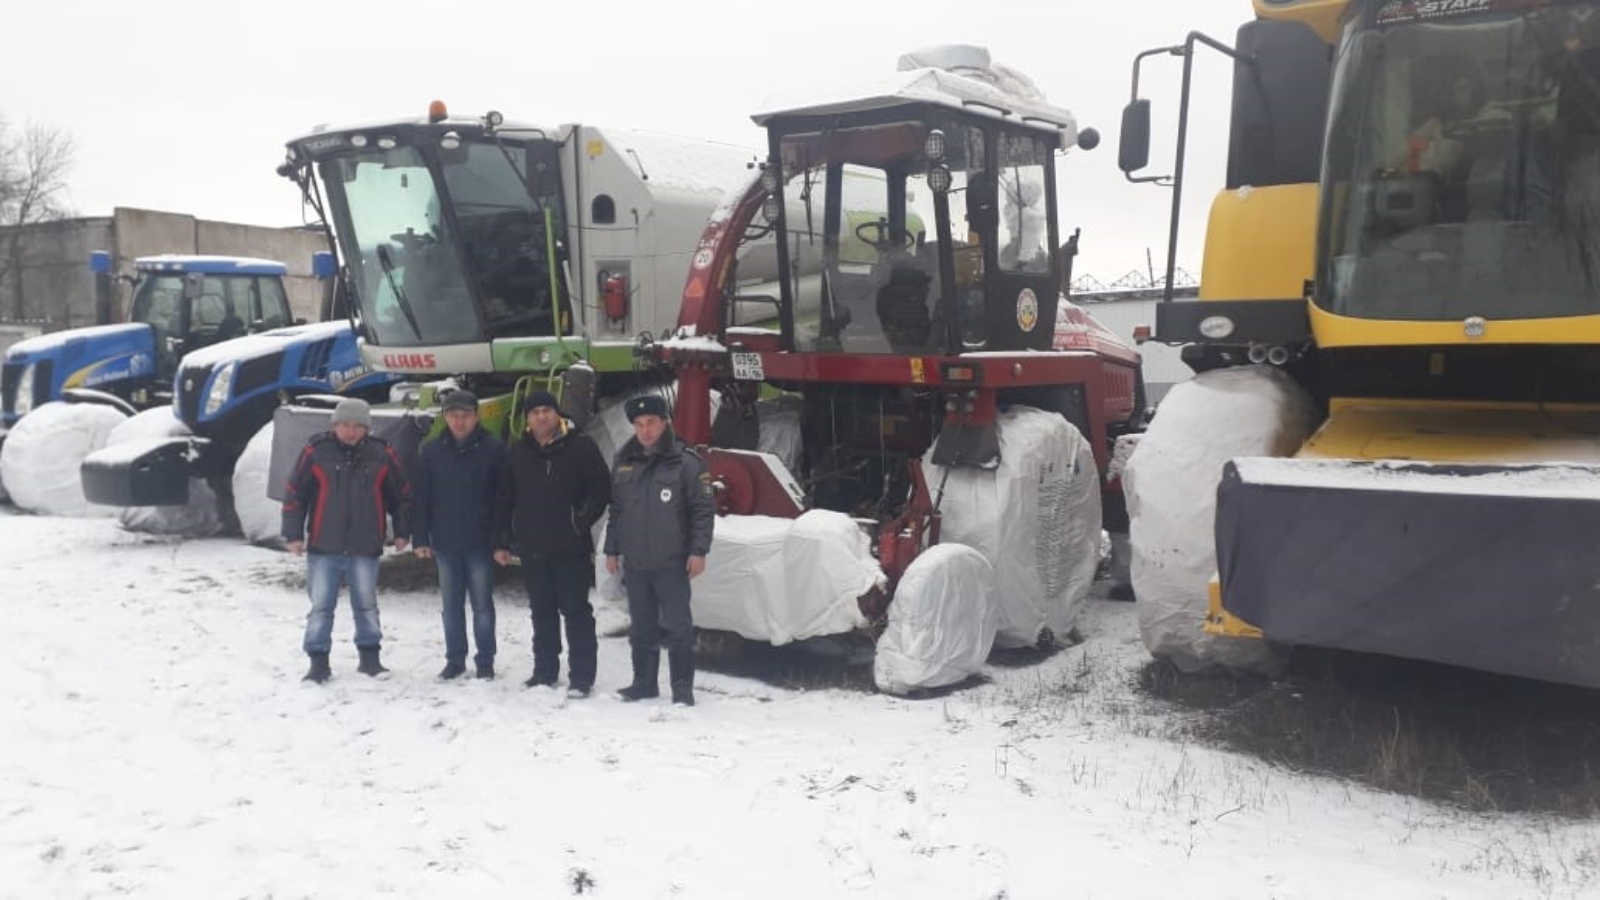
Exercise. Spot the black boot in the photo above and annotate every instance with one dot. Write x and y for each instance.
(452, 670)
(319, 671)
(369, 661)
(646, 664)
(486, 670)
(680, 665)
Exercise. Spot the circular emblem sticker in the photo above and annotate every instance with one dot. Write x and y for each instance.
(1027, 310)
(702, 258)
(666, 495)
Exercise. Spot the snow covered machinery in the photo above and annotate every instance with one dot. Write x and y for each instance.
(917, 377)
(1396, 418)
(503, 257)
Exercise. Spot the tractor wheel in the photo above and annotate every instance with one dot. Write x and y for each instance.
(197, 518)
(40, 459)
(1171, 488)
(260, 517)
(941, 624)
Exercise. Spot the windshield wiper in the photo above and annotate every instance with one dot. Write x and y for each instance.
(387, 263)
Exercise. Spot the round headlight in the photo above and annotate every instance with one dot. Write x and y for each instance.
(933, 145)
(769, 180)
(770, 209)
(1216, 327)
(939, 179)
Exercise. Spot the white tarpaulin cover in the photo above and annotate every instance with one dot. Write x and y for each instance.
(260, 516)
(610, 428)
(781, 580)
(200, 516)
(41, 456)
(1035, 518)
(941, 623)
(1171, 485)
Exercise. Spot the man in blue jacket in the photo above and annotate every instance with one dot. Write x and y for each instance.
(457, 474)
(346, 485)
(658, 535)
(554, 488)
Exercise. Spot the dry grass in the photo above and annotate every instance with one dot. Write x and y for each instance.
(1479, 742)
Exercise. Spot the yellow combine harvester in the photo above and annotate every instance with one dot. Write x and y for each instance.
(1411, 232)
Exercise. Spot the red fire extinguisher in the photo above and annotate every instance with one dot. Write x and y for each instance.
(614, 295)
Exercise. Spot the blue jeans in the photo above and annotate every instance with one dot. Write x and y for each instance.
(325, 573)
(462, 575)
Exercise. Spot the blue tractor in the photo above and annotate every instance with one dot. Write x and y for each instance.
(224, 393)
(179, 304)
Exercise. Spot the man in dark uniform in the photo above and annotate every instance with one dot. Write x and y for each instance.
(658, 535)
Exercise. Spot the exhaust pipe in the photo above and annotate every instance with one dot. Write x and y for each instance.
(1257, 354)
(1278, 355)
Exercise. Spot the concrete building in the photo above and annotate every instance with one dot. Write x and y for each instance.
(52, 288)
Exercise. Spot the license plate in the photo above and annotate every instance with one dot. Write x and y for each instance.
(747, 367)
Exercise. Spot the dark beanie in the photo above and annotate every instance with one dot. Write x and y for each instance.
(537, 399)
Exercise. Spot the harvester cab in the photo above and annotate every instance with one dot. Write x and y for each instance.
(917, 226)
(1411, 308)
(486, 254)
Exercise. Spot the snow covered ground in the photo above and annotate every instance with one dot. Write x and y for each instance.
(157, 741)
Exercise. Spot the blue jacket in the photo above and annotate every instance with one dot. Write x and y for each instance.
(455, 488)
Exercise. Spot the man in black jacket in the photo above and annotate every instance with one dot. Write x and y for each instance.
(554, 488)
(660, 532)
(347, 484)
(457, 475)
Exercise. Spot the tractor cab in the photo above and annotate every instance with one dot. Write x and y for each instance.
(923, 220)
(196, 301)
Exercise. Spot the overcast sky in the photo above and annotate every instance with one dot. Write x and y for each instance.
(185, 105)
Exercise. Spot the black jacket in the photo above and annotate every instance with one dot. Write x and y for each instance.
(661, 506)
(455, 492)
(346, 493)
(551, 495)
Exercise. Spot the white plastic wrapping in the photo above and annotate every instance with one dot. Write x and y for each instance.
(941, 624)
(781, 580)
(42, 454)
(780, 429)
(610, 428)
(1171, 486)
(260, 516)
(1035, 518)
(200, 516)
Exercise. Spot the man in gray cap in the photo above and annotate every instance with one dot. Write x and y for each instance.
(453, 522)
(658, 534)
(329, 514)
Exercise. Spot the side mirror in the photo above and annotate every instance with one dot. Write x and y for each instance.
(1134, 152)
(323, 265)
(1088, 138)
(299, 321)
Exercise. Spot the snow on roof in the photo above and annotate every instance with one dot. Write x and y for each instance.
(959, 77)
(48, 343)
(1562, 481)
(682, 163)
(252, 346)
(210, 265)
